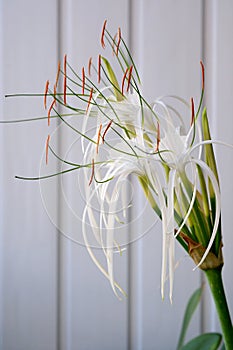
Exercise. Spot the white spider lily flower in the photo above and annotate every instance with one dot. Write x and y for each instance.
(174, 162)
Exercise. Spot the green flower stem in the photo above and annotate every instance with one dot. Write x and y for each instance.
(214, 277)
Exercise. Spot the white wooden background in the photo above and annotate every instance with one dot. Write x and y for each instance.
(52, 297)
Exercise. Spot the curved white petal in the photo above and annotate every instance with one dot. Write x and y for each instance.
(189, 208)
(215, 185)
(93, 257)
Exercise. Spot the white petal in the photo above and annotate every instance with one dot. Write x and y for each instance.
(215, 185)
(97, 263)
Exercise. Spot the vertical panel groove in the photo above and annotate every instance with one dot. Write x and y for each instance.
(1, 176)
(135, 267)
(58, 295)
(203, 16)
(209, 43)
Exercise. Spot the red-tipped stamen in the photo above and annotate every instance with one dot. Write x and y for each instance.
(47, 149)
(123, 81)
(99, 68)
(89, 100)
(98, 139)
(129, 78)
(92, 172)
(65, 79)
(102, 34)
(89, 66)
(58, 73)
(203, 74)
(119, 41)
(158, 137)
(50, 109)
(83, 80)
(105, 131)
(46, 93)
(193, 112)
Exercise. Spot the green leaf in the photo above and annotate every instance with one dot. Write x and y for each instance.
(204, 192)
(211, 162)
(196, 218)
(190, 308)
(207, 341)
(113, 80)
(209, 152)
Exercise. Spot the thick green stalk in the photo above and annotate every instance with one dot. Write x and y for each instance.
(214, 277)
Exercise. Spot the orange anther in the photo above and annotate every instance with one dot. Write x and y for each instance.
(89, 100)
(193, 112)
(50, 109)
(92, 172)
(98, 139)
(89, 66)
(203, 74)
(58, 72)
(105, 131)
(102, 34)
(47, 149)
(83, 80)
(45, 93)
(123, 81)
(129, 78)
(119, 40)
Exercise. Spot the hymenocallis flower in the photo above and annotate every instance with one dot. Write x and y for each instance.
(169, 151)
(153, 142)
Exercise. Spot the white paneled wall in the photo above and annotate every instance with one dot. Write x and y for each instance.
(218, 54)
(52, 296)
(28, 239)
